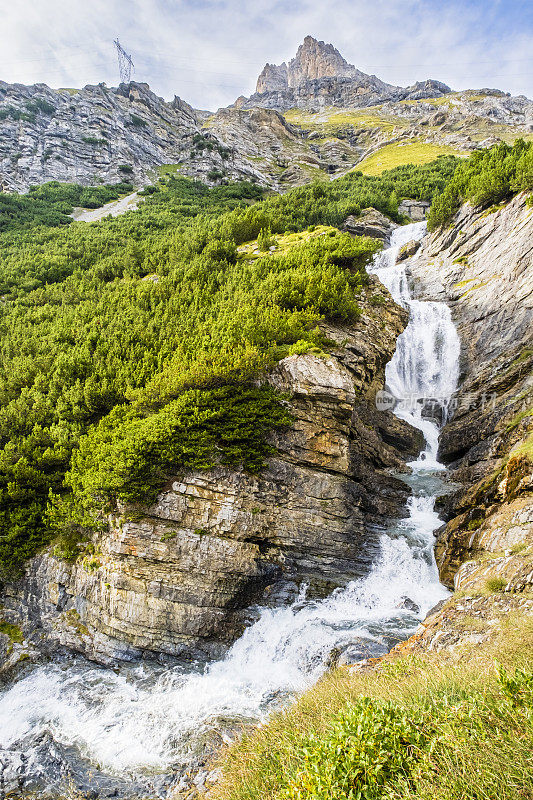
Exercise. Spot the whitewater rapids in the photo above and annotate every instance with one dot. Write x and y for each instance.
(143, 720)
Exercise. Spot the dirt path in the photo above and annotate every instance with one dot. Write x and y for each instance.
(115, 208)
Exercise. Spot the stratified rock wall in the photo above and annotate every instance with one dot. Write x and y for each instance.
(101, 134)
(178, 577)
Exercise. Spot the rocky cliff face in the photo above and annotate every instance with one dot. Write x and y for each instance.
(101, 134)
(282, 154)
(476, 112)
(178, 577)
(319, 75)
(481, 265)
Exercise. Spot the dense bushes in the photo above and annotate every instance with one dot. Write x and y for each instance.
(129, 455)
(487, 177)
(369, 746)
(128, 347)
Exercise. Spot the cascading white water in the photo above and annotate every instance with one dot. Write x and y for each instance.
(423, 373)
(143, 719)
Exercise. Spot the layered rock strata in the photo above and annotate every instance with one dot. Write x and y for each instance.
(178, 577)
(100, 134)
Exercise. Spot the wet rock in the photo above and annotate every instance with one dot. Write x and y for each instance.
(408, 250)
(360, 651)
(332, 661)
(409, 605)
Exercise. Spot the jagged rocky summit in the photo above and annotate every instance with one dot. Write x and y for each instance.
(319, 76)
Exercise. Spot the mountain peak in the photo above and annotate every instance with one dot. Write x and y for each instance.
(314, 60)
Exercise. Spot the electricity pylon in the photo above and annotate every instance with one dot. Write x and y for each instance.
(125, 64)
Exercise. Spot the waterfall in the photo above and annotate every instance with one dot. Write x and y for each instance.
(422, 376)
(143, 720)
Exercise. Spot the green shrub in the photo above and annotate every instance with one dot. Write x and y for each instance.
(265, 240)
(13, 631)
(496, 584)
(16, 114)
(139, 122)
(39, 104)
(128, 456)
(368, 746)
(486, 178)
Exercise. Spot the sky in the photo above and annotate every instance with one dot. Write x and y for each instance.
(211, 51)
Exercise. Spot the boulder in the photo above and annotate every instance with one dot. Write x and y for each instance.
(416, 210)
(408, 250)
(369, 223)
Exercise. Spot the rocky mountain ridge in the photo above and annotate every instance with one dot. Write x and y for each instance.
(317, 117)
(99, 134)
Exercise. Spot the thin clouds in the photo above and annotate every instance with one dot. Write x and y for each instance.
(210, 51)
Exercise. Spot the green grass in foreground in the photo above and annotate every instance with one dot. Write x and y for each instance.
(416, 728)
(395, 155)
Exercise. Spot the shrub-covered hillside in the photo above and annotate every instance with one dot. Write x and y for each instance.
(128, 347)
(487, 177)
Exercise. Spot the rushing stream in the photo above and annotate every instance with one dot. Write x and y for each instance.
(130, 729)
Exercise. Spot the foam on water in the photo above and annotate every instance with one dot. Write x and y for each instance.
(423, 373)
(146, 718)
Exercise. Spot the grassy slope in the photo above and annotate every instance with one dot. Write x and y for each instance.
(282, 243)
(443, 726)
(395, 155)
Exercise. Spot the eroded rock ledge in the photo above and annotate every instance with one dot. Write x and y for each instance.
(177, 577)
